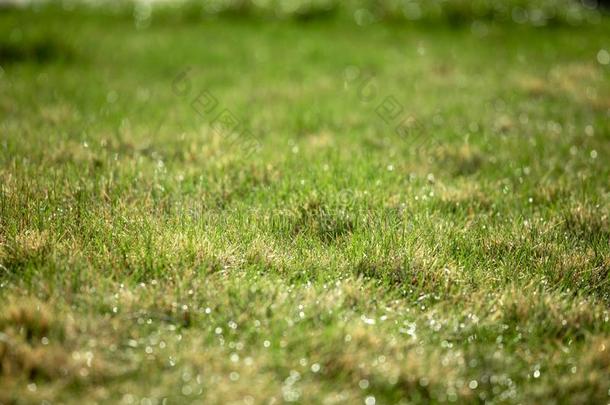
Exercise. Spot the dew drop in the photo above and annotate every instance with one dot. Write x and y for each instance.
(603, 57)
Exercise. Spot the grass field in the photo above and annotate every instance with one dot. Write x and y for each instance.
(246, 209)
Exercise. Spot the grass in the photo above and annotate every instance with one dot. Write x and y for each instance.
(385, 213)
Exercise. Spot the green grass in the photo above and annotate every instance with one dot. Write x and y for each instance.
(314, 254)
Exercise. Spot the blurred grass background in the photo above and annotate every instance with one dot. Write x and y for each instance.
(365, 12)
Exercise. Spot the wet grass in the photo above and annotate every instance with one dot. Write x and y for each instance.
(244, 209)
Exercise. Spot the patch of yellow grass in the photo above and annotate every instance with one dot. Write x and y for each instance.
(583, 82)
(57, 113)
(464, 195)
(464, 159)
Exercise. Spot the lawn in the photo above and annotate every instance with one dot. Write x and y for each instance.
(253, 208)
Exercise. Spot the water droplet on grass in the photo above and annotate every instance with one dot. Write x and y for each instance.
(368, 321)
(603, 57)
(112, 96)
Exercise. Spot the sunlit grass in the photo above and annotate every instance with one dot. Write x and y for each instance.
(385, 213)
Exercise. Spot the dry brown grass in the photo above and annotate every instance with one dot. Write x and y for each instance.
(462, 160)
(582, 82)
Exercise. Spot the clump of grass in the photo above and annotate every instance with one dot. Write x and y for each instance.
(328, 223)
(26, 328)
(39, 346)
(28, 247)
(588, 223)
(467, 198)
(460, 160)
(30, 319)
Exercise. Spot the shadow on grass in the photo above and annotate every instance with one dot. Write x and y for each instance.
(39, 51)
